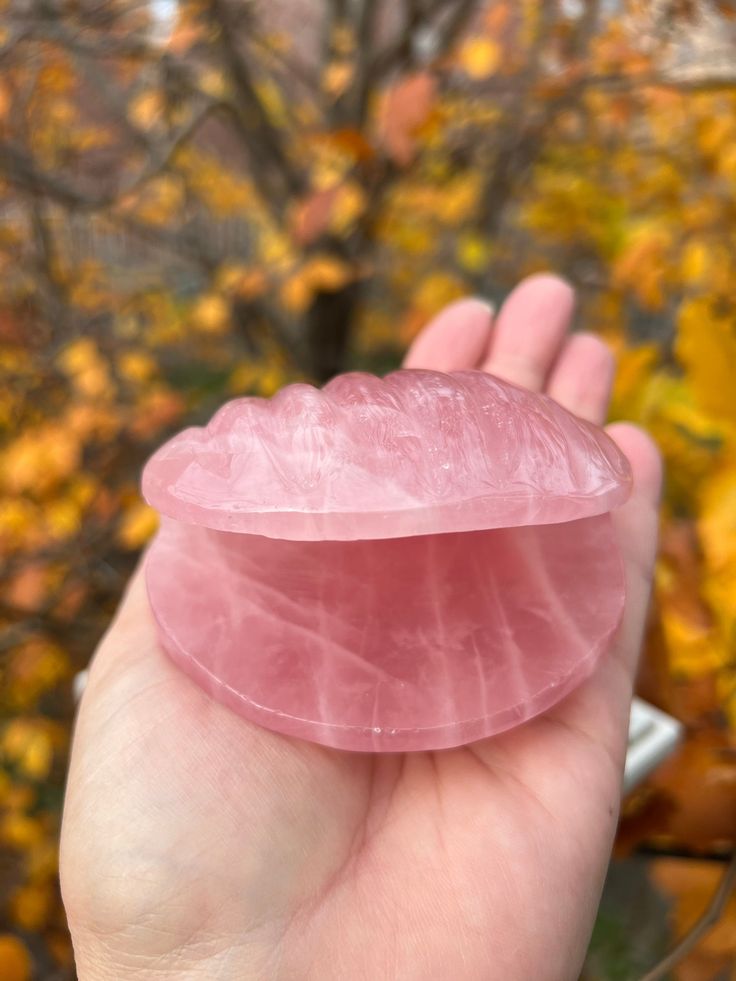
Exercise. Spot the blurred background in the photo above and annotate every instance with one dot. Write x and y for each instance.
(206, 198)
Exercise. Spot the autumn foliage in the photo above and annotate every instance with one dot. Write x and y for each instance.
(258, 192)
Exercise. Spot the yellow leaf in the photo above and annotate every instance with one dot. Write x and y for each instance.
(275, 250)
(343, 39)
(726, 687)
(473, 252)
(27, 745)
(212, 82)
(270, 381)
(479, 57)
(242, 378)
(319, 274)
(706, 347)
(336, 78)
(160, 201)
(146, 110)
(223, 190)
(136, 366)
(211, 314)
(15, 961)
(349, 205)
(641, 265)
(694, 649)
(20, 831)
(459, 198)
(410, 236)
(327, 274)
(717, 520)
(273, 101)
(296, 293)
(634, 369)
(17, 521)
(247, 282)
(694, 263)
(137, 525)
(31, 906)
(436, 290)
(727, 161)
(714, 132)
(83, 363)
(719, 590)
(62, 518)
(39, 459)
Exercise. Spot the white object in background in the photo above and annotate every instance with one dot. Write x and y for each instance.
(653, 735)
(163, 19)
(79, 684)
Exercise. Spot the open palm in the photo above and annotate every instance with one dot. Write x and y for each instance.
(197, 845)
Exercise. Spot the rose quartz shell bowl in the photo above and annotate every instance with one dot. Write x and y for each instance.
(406, 563)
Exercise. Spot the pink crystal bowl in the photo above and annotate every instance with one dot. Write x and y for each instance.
(494, 591)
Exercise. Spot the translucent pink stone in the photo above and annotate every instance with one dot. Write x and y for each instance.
(402, 564)
(415, 453)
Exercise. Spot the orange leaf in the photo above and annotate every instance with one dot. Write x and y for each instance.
(184, 37)
(333, 210)
(15, 961)
(405, 108)
(28, 588)
(349, 142)
(6, 99)
(311, 216)
(692, 885)
(699, 782)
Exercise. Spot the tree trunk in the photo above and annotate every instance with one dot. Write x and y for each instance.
(329, 326)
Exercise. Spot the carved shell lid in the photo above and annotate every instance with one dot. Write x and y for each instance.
(417, 452)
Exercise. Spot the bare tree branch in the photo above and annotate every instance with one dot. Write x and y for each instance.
(19, 168)
(364, 39)
(162, 155)
(453, 24)
(445, 18)
(99, 80)
(276, 176)
(52, 293)
(588, 26)
(399, 50)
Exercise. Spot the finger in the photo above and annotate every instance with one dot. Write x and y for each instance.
(636, 524)
(582, 377)
(134, 603)
(600, 707)
(456, 338)
(133, 621)
(530, 330)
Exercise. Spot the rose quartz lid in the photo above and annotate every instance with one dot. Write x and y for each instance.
(414, 453)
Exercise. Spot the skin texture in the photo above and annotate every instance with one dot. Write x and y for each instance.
(196, 845)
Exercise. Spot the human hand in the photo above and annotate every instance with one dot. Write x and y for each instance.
(197, 845)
